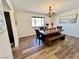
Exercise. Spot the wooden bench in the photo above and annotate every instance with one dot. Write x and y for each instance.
(48, 41)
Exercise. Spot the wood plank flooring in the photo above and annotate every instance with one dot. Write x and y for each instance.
(61, 49)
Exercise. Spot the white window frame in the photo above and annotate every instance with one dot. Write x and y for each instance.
(41, 21)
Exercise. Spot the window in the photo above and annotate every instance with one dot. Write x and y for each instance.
(37, 21)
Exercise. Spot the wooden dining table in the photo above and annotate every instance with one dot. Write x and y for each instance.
(50, 34)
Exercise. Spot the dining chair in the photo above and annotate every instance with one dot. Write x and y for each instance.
(59, 27)
(41, 28)
(39, 36)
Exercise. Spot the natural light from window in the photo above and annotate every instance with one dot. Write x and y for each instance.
(37, 21)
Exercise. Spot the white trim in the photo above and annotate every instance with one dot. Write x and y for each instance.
(26, 35)
(9, 4)
(70, 34)
(14, 27)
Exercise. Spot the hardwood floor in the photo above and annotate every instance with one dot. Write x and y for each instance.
(61, 49)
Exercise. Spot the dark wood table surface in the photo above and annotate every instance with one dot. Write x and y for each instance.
(50, 35)
(50, 32)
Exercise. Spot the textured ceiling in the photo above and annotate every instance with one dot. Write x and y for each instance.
(42, 6)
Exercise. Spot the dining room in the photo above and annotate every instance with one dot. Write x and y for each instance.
(44, 39)
(46, 33)
(42, 29)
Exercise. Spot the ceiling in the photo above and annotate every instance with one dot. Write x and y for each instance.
(41, 6)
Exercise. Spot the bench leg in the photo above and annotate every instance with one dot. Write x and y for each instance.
(63, 37)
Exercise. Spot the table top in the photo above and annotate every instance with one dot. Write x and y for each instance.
(49, 31)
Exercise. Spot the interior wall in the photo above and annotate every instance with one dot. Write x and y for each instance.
(6, 8)
(5, 48)
(70, 28)
(24, 24)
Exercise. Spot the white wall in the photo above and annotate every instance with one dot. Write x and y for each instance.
(70, 29)
(24, 24)
(6, 8)
(5, 48)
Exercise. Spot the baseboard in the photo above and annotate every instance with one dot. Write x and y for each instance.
(71, 35)
(26, 36)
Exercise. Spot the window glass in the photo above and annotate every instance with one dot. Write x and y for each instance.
(37, 21)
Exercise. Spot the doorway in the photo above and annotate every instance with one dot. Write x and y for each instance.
(9, 27)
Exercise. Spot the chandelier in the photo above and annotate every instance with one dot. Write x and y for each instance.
(50, 12)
